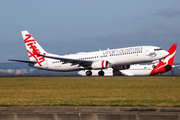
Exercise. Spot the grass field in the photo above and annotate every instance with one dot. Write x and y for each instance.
(90, 91)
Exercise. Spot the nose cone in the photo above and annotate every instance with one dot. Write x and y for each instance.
(165, 53)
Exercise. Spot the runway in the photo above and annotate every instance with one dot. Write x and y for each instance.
(89, 113)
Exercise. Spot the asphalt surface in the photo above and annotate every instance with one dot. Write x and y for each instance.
(89, 113)
(69, 109)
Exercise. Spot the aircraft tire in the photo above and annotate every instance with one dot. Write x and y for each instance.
(88, 73)
(101, 73)
(153, 66)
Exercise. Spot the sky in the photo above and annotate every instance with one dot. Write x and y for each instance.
(67, 27)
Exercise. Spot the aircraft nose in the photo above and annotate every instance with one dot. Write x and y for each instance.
(165, 53)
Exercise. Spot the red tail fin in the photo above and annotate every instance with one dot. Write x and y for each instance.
(170, 58)
(166, 63)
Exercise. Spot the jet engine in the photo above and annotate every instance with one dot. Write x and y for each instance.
(100, 64)
(121, 67)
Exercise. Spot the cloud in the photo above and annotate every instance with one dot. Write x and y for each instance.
(16, 71)
(168, 13)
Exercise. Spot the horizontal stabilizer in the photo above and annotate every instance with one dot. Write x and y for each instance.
(176, 65)
(24, 61)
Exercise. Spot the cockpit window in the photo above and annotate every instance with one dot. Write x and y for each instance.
(157, 49)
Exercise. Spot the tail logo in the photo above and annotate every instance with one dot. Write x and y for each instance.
(165, 65)
(33, 50)
(166, 60)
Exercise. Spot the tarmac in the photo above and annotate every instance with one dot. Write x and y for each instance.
(89, 113)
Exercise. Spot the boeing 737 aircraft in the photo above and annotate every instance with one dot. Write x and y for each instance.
(98, 60)
(165, 65)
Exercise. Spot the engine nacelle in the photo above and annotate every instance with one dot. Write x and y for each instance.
(121, 67)
(103, 64)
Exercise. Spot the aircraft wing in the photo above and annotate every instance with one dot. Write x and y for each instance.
(84, 63)
(24, 61)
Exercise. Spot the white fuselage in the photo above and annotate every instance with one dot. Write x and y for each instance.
(116, 57)
(134, 70)
(138, 70)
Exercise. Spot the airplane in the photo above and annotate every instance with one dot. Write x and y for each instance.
(117, 59)
(165, 65)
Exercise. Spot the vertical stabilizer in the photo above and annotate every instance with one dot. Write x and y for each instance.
(33, 48)
(172, 52)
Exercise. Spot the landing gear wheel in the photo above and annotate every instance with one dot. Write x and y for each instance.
(101, 73)
(88, 73)
(153, 66)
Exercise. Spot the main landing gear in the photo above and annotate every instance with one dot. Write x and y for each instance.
(88, 73)
(100, 73)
